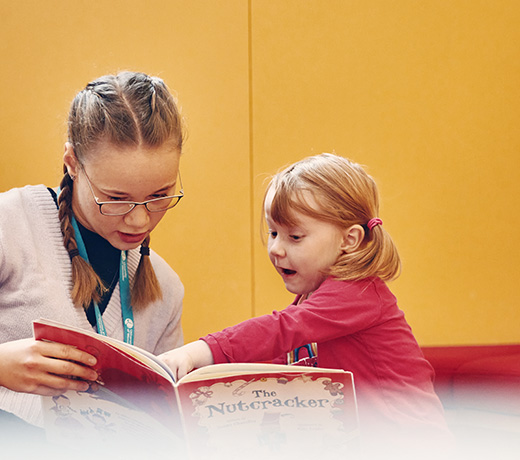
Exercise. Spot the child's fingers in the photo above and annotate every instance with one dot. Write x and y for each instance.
(66, 353)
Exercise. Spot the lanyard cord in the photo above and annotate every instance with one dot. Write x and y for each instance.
(124, 290)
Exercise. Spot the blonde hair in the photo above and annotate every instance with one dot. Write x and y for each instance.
(129, 109)
(346, 195)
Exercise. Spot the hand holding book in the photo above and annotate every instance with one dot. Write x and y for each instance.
(216, 411)
(184, 359)
(45, 368)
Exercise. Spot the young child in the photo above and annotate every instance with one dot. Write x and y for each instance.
(330, 248)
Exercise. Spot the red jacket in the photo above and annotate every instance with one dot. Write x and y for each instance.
(358, 327)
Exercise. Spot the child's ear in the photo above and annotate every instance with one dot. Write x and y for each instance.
(352, 238)
(70, 160)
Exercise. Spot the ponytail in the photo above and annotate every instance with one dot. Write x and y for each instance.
(376, 256)
(343, 195)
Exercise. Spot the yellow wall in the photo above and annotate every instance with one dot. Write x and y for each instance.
(426, 94)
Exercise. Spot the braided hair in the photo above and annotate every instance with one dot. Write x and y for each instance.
(129, 109)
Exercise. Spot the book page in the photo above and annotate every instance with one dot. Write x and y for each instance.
(104, 422)
(229, 369)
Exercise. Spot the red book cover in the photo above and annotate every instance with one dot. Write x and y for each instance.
(219, 411)
(128, 372)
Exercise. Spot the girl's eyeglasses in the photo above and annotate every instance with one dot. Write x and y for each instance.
(120, 208)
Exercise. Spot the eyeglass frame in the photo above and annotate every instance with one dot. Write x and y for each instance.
(134, 203)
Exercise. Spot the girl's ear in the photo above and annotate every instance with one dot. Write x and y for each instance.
(70, 161)
(352, 238)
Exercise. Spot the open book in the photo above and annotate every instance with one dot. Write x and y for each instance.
(219, 411)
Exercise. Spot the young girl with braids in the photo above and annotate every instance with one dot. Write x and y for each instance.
(80, 254)
(330, 248)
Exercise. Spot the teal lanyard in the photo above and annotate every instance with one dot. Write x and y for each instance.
(124, 290)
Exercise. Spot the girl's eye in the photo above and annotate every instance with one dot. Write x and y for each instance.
(296, 237)
(273, 234)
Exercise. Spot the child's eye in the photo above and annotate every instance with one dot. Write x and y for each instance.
(296, 237)
(273, 234)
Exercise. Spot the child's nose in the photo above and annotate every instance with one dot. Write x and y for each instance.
(276, 248)
(138, 217)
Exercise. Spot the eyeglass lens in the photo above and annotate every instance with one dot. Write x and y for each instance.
(158, 205)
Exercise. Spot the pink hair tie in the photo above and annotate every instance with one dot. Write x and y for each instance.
(374, 222)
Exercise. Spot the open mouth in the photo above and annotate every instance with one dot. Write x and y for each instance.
(286, 271)
(132, 238)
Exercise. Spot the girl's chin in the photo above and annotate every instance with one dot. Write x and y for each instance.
(293, 289)
(300, 289)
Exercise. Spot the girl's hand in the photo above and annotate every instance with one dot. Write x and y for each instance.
(184, 359)
(44, 368)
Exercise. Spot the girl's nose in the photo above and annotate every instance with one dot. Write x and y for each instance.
(276, 248)
(138, 217)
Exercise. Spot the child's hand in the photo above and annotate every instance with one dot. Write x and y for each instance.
(188, 357)
(44, 368)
